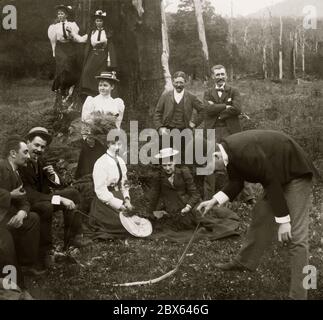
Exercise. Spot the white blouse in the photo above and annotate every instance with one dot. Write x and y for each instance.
(94, 38)
(105, 174)
(103, 104)
(55, 32)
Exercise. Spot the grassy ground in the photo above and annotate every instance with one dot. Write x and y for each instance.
(93, 271)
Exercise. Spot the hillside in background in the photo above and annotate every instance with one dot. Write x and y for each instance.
(290, 8)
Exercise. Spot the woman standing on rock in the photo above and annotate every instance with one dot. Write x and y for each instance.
(99, 53)
(64, 51)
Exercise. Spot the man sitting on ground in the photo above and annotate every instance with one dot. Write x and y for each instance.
(39, 179)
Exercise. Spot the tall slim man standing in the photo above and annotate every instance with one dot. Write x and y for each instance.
(222, 109)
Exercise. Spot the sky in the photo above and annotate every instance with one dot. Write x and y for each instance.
(223, 7)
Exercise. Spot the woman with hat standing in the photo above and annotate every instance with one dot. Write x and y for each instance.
(99, 53)
(101, 106)
(64, 50)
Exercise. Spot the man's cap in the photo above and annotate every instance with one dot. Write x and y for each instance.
(41, 132)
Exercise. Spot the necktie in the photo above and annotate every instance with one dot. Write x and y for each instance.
(64, 31)
(99, 35)
(119, 168)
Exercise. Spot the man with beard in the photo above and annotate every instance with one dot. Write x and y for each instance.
(175, 110)
(19, 228)
(39, 179)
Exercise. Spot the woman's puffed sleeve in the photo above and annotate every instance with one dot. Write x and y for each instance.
(75, 28)
(52, 37)
(121, 108)
(87, 109)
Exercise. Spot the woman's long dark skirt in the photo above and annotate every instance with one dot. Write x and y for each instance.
(67, 66)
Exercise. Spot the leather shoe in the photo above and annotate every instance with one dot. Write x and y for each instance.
(231, 266)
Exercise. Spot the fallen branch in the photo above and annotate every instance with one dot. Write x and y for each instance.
(166, 275)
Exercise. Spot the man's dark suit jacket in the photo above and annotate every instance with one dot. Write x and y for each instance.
(37, 187)
(183, 190)
(165, 109)
(267, 157)
(8, 182)
(218, 111)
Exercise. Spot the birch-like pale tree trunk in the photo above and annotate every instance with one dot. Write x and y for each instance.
(303, 53)
(264, 61)
(165, 53)
(201, 32)
(293, 38)
(281, 49)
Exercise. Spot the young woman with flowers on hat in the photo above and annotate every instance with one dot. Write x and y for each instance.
(99, 53)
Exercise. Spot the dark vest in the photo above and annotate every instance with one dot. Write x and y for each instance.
(178, 115)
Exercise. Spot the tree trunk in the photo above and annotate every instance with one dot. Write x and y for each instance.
(264, 61)
(137, 37)
(201, 32)
(303, 54)
(281, 50)
(165, 54)
(293, 56)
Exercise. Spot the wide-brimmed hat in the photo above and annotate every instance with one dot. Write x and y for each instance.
(108, 75)
(100, 14)
(63, 7)
(136, 226)
(166, 153)
(41, 132)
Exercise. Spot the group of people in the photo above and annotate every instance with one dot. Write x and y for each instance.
(98, 56)
(30, 190)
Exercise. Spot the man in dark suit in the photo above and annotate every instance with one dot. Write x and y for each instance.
(19, 228)
(175, 110)
(45, 194)
(222, 105)
(281, 166)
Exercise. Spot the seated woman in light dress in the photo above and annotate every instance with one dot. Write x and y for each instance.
(95, 107)
(111, 194)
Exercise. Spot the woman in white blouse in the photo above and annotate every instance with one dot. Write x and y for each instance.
(103, 102)
(98, 53)
(64, 50)
(112, 194)
(92, 108)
